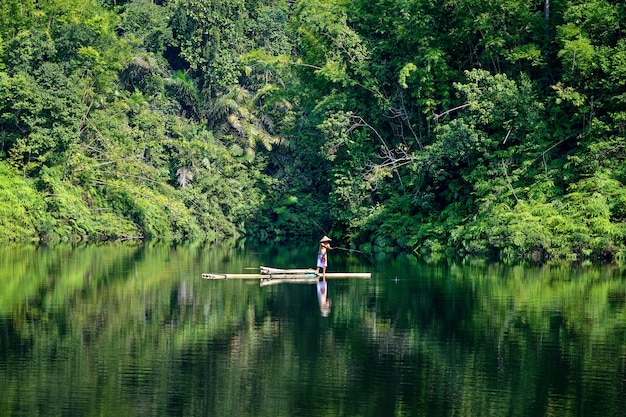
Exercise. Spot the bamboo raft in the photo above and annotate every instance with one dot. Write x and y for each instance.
(303, 275)
(271, 281)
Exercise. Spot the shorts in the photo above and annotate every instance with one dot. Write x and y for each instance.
(322, 261)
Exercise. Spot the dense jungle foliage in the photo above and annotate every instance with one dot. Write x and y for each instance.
(481, 127)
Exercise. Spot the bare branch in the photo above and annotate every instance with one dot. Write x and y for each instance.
(437, 116)
(360, 122)
(507, 136)
(508, 181)
(395, 158)
(404, 117)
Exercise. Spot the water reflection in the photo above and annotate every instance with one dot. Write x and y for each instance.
(133, 330)
(322, 297)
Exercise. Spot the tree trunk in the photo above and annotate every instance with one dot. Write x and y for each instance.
(546, 15)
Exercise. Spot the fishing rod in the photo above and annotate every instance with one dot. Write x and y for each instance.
(319, 227)
(350, 250)
(370, 260)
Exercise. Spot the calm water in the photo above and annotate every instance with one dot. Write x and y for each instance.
(133, 330)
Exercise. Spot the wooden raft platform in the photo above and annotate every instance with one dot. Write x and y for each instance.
(271, 281)
(306, 275)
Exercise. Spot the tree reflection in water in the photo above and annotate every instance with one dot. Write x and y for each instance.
(144, 334)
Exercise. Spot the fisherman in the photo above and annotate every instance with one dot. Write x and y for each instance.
(322, 259)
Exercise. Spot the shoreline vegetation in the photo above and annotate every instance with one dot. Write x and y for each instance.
(486, 130)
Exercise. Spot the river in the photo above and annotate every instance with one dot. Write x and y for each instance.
(132, 329)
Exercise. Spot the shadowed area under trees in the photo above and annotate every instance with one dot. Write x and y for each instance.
(478, 128)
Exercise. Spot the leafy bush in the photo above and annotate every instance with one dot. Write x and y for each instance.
(22, 208)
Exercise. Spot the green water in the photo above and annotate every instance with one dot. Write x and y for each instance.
(133, 330)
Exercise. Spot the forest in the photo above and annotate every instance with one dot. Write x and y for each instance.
(490, 128)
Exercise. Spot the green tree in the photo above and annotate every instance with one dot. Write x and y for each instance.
(211, 36)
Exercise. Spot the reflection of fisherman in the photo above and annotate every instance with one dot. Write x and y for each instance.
(322, 259)
(322, 297)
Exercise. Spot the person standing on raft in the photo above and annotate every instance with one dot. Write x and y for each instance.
(322, 259)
